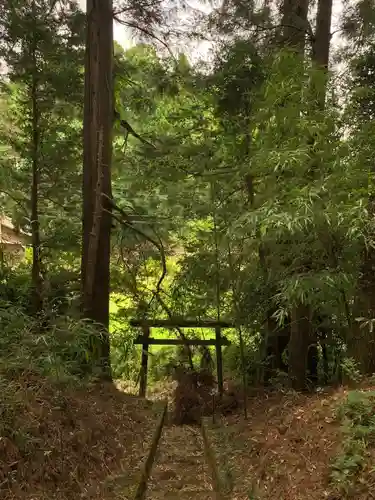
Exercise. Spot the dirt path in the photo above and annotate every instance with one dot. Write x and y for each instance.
(180, 470)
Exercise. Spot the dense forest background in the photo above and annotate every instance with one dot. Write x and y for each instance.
(237, 187)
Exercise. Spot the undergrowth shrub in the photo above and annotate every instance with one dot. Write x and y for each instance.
(35, 359)
(350, 370)
(61, 290)
(280, 380)
(232, 361)
(125, 356)
(27, 346)
(162, 363)
(15, 286)
(357, 414)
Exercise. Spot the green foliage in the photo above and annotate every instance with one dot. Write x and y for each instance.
(56, 352)
(238, 73)
(350, 370)
(239, 184)
(313, 226)
(125, 357)
(232, 360)
(15, 286)
(53, 35)
(61, 288)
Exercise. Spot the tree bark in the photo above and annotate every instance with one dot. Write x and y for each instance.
(321, 45)
(295, 24)
(36, 277)
(300, 339)
(322, 39)
(295, 27)
(97, 155)
(361, 341)
(302, 335)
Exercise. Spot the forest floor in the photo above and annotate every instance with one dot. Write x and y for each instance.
(69, 444)
(91, 443)
(287, 447)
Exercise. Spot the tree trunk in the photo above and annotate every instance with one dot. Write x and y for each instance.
(36, 277)
(322, 39)
(321, 45)
(295, 27)
(97, 153)
(300, 339)
(361, 341)
(295, 24)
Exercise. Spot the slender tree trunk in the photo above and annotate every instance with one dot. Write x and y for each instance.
(302, 335)
(295, 24)
(98, 120)
(361, 341)
(37, 298)
(321, 46)
(36, 277)
(320, 58)
(300, 338)
(322, 39)
(296, 28)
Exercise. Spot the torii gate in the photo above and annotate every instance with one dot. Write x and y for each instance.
(145, 340)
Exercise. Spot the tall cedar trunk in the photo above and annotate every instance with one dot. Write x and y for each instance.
(298, 348)
(98, 120)
(361, 341)
(321, 44)
(294, 22)
(300, 339)
(294, 26)
(302, 335)
(320, 57)
(36, 278)
(322, 39)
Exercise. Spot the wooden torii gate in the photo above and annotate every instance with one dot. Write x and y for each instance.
(145, 340)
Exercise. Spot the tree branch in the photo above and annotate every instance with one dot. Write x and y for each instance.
(127, 222)
(129, 130)
(158, 244)
(146, 32)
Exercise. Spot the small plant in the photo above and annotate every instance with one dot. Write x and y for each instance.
(350, 370)
(252, 358)
(252, 493)
(357, 415)
(228, 478)
(280, 381)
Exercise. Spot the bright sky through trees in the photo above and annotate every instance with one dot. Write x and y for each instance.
(125, 38)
